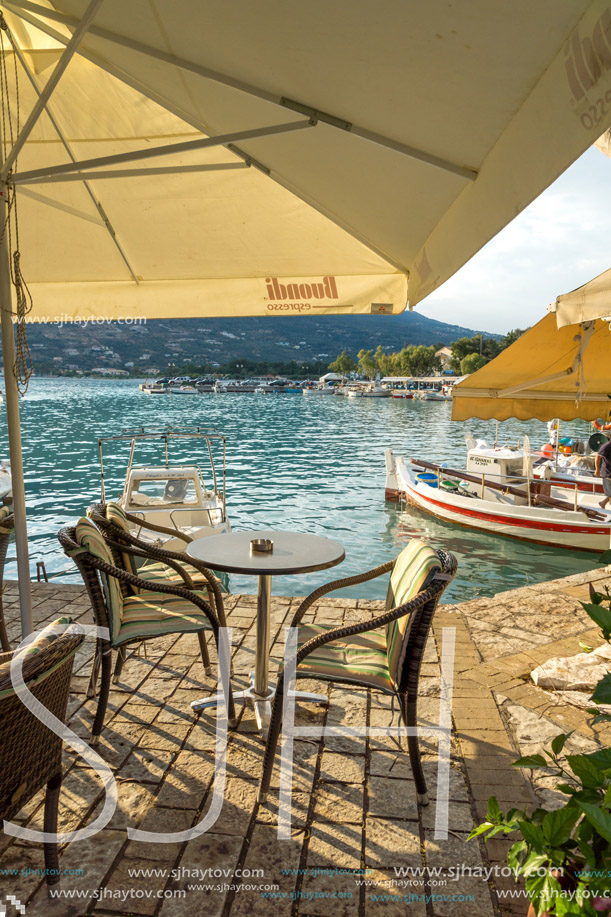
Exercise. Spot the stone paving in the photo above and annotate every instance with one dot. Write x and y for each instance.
(355, 818)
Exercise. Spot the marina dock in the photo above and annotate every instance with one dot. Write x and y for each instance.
(353, 807)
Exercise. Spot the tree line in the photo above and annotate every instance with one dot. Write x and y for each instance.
(468, 355)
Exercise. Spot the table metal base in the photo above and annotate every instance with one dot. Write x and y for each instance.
(262, 703)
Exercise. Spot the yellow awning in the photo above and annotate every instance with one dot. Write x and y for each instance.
(364, 153)
(548, 372)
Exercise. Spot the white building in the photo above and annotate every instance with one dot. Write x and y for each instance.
(444, 355)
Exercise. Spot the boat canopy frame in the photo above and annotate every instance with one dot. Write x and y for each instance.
(166, 435)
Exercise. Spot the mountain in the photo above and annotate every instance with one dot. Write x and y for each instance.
(155, 344)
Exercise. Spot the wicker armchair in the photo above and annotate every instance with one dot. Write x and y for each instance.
(7, 525)
(30, 754)
(150, 610)
(359, 654)
(151, 562)
(158, 564)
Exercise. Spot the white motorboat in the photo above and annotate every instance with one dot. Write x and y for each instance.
(320, 390)
(185, 390)
(160, 387)
(172, 495)
(494, 495)
(369, 391)
(570, 471)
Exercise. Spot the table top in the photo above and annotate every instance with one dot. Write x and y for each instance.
(292, 552)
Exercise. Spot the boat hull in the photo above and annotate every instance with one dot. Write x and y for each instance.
(559, 528)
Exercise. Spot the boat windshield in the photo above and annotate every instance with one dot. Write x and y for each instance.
(164, 492)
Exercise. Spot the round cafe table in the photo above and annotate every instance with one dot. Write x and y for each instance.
(292, 553)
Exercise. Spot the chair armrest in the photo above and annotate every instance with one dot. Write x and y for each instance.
(339, 584)
(163, 588)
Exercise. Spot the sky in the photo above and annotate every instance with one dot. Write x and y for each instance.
(558, 243)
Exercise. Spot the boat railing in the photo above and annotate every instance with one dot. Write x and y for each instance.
(513, 483)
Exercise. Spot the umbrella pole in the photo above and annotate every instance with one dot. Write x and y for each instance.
(14, 431)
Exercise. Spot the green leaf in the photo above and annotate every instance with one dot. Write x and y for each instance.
(602, 692)
(600, 820)
(517, 855)
(585, 770)
(587, 853)
(531, 761)
(585, 647)
(600, 615)
(592, 797)
(566, 788)
(533, 863)
(494, 812)
(605, 558)
(480, 829)
(558, 743)
(532, 834)
(602, 758)
(558, 825)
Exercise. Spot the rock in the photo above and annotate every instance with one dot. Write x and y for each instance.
(574, 673)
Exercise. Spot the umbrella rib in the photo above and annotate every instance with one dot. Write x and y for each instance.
(68, 54)
(247, 88)
(43, 199)
(133, 173)
(104, 221)
(165, 150)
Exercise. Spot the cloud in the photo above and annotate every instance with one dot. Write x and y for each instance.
(558, 243)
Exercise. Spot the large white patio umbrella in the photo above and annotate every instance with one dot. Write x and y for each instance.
(187, 158)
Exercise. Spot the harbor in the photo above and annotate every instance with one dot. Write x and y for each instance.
(285, 468)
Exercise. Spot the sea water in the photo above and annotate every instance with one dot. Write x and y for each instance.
(303, 464)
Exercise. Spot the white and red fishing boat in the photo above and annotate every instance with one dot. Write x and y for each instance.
(494, 495)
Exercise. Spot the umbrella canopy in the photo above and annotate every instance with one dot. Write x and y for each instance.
(360, 155)
(548, 372)
(590, 301)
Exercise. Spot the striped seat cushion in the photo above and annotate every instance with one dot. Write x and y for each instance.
(152, 614)
(43, 639)
(116, 516)
(360, 659)
(90, 538)
(414, 568)
(5, 512)
(160, 572)
(151, 571)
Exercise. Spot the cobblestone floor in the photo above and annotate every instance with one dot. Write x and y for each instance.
(354, 805)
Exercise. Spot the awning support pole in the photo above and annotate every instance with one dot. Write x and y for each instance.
(14, 429)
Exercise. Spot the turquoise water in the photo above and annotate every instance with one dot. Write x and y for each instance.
(306, 464)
